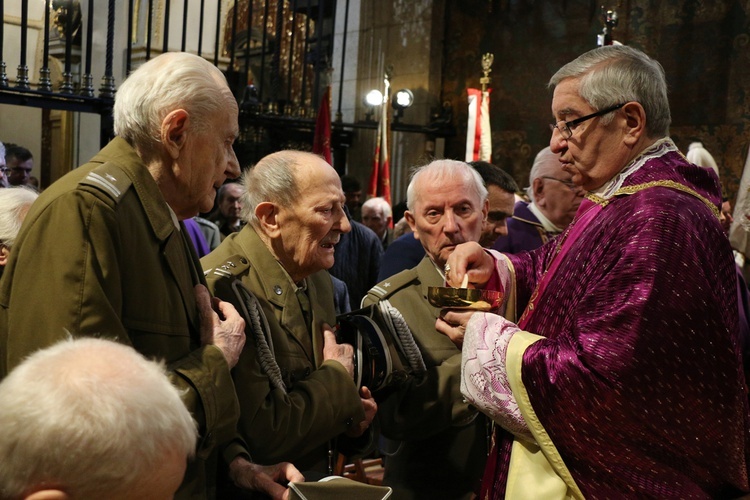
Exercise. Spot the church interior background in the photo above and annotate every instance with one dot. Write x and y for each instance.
(281, 55)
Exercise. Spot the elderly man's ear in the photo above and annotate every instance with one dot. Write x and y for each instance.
(4, 255)
(268, 216)
(537, 186)
(635, 122)
(174, 129)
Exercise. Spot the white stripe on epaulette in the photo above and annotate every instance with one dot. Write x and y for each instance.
(101, 181)
(222, 272)
(377, 290)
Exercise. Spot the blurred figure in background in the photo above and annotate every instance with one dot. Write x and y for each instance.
(376, 214)
(554, 202)
(20, 163)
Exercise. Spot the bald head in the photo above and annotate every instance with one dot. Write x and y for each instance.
(274, 179)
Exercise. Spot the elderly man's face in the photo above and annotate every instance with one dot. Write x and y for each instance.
(595, 152)
(500, 208)
(208, 161)
(230, 204)
(373, 218)
(557, 196)
(311, 227)
(446, 213)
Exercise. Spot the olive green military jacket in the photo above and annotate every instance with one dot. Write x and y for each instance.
(99, 254)
(321, 400)
(442, 445)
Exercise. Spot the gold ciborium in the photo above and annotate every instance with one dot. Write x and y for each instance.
(446, 297)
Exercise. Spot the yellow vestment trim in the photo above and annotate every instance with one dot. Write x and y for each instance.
(536, 469)
(640, 187)
(510, 303)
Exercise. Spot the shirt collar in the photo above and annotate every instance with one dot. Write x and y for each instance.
(657, 149)
(543, 220)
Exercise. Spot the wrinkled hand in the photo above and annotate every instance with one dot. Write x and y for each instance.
(268, 479)
(221, 325)
(472, 259)
(370, 407)
(452, 323)
(343, 353)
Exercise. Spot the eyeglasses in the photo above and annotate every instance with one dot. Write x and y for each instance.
(568, 184)
(566, 128)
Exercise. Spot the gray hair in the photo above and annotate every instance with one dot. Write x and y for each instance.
(174, 80)
(273, 179)
(380, 205)
(14, 204)
(543, 159)
(440, 170)
(617, 74)
(90, 415)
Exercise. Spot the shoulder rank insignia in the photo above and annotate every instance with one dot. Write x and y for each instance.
(109, 179)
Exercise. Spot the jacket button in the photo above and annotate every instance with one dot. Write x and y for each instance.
(349, 421)
(243, 260)
(277, 290)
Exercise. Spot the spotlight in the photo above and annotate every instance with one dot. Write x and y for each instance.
(403, 99)
(374, 98)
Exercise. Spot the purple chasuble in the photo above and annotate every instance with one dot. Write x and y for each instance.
(639, 381)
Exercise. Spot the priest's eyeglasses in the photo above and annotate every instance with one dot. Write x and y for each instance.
(570, 185)
(566, 128)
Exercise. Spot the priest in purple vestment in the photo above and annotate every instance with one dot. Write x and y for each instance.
(622, 377)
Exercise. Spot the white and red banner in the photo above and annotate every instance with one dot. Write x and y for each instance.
(380, 178)
(478, 132)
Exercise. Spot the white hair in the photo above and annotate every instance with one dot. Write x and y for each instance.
(14, 204)
(90, 416)
(542, 161)
(171, 81)
(440, 170)
(380, 205)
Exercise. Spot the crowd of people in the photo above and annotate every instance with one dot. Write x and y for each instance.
(182, 340)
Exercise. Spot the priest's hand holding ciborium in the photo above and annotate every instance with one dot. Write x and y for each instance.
(473, 286)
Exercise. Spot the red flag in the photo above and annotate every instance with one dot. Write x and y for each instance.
(380, 178)
(322, 139)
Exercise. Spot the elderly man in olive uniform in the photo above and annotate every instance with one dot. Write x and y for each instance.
(443, 440)
(294, 382)
(121, 265)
